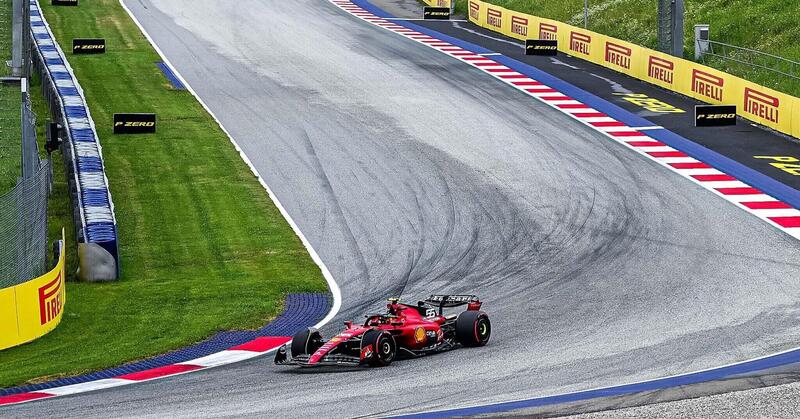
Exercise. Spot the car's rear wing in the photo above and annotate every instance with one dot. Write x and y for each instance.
(449, 301)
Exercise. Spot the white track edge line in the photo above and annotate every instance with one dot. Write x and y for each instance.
(334, 287)
(665, 162)
(640, 381)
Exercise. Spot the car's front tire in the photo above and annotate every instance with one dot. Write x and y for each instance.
(306, 342)
(473, 328)
(380, 346)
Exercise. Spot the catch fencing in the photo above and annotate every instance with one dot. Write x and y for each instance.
(23, 225)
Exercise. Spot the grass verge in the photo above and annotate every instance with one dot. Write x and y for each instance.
(10, 132)
(203, 248)
(765, 25)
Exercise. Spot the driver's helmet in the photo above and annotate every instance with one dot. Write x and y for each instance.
(391, 308)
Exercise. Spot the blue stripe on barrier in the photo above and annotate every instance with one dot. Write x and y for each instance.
(67, 91)
(60, 75)
(75, 111)
(83, 135)
(95, 197)
(301, 311)
(100, 232)
(90, 164)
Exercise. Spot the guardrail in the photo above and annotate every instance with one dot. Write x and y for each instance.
(32, 309)
(94, 216)
(749, 57)
(754, 102)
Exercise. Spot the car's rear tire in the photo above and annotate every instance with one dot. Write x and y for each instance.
(473, 328)
(306, 342)
(382, 347)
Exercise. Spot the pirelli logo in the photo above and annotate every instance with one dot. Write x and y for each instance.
(661, 69)
(474, 10)
(548, 32)
(618, 55)
(762, 105)
(519, 25)
(707, 85)
(580, 43)
(494, 18)
(51, 300)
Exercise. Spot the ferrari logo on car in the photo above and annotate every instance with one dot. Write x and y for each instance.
(419, 334)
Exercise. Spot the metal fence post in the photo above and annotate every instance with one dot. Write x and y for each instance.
(586, 14)
(670, 26)
(30, 148)
(17, 28)
(678, 12)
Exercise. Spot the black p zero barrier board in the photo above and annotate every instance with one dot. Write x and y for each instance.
(88, 46)
(714, 115)
(541, 47)
(440, 13)
(134, 123)
(64, 2)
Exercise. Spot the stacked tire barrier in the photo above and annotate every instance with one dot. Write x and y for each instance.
(95, 222)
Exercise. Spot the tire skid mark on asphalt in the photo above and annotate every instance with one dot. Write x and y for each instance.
(752, 200)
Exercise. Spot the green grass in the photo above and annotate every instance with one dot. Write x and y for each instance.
(10, 136)
(203, 249)
(765, 25)
(10, 132)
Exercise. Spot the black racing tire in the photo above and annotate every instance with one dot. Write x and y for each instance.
(473, 328)
(306, 342)
(384, 347)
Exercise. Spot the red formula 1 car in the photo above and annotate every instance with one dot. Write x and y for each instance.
(405, 330)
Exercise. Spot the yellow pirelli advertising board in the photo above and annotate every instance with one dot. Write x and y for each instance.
(34, 308)
(796, 118)
(754, 102)
(437, 3)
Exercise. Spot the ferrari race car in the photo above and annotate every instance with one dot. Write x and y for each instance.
(404, 330)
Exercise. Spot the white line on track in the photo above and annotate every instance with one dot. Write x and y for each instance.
(334, 287)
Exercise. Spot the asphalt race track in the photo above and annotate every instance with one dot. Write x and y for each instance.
(412, 173)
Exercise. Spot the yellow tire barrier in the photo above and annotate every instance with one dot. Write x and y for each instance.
(30, 310)
(757, 103)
